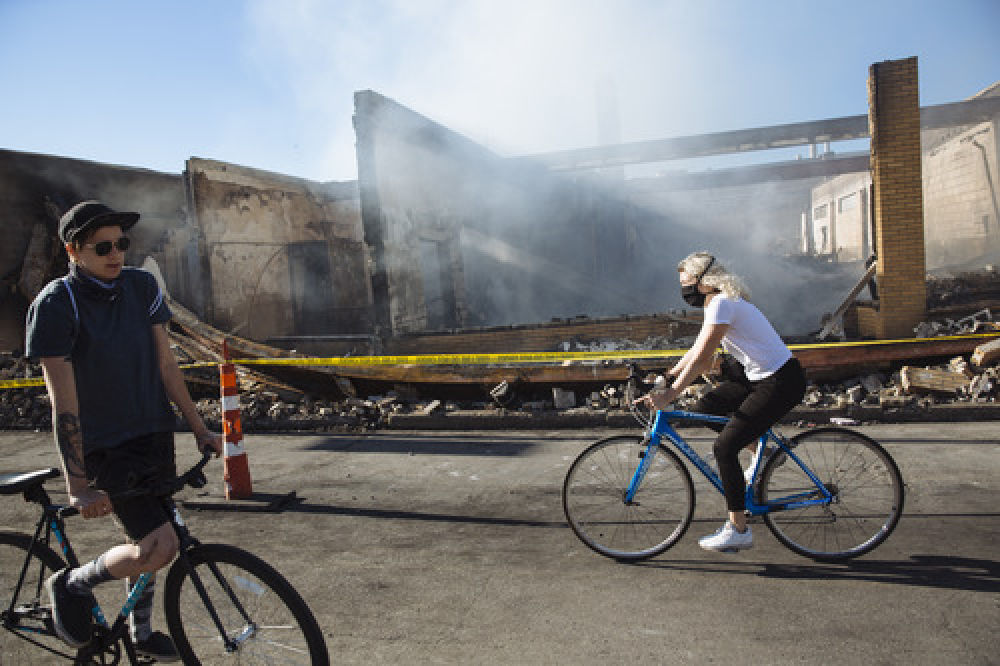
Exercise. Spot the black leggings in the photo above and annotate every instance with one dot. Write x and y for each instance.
(753, 407)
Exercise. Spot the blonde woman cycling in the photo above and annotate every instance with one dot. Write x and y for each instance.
(765, 385)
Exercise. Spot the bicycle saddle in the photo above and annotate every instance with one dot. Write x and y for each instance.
(11, 484)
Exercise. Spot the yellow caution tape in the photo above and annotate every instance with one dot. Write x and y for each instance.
(500, 359)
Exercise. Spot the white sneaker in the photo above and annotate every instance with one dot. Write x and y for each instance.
(727, 539)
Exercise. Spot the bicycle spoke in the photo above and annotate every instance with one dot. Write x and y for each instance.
(867, 495)
(281, 629)
(594, 499)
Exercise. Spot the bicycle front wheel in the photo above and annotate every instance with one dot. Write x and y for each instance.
(594, 499)
(263, 619)
(25, 636)
(867, 491)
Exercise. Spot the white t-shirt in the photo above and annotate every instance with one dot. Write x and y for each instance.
(750, 339)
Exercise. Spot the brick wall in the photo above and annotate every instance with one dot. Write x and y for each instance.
(894, 123)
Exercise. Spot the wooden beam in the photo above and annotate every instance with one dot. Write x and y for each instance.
(750, 175)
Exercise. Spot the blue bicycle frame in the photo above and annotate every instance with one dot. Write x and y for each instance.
(662, 428)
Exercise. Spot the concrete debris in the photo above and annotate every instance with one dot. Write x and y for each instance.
(502, 394)
(623, 344)
(431, 407)
(562, 399)
(980, 322)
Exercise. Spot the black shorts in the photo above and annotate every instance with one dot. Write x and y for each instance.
(120, 468)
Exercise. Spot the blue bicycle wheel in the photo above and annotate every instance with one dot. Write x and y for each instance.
(866, 488)
(595, 506)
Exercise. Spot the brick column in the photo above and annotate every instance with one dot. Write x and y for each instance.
(894, 123)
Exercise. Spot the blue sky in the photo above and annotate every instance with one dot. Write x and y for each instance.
(269, 83)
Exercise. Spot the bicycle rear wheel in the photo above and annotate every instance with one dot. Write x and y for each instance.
(594, 499)
(264, 618)
(867, 493)
(28, 621)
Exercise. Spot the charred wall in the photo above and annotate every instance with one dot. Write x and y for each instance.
(281, 256)
(35, 190)
(462, 237)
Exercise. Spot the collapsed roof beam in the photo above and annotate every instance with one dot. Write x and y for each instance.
(753, 174)
(757, 138)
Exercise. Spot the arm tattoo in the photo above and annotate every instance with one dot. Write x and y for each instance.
(70, 443)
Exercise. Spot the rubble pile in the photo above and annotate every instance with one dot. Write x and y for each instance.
(963, 289)
(978, 322)
(968, 380)
(25, 407)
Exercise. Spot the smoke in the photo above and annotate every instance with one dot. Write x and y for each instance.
(526, 77)
(536, 245)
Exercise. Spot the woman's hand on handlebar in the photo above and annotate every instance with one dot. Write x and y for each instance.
(657, 398)
(209, 441)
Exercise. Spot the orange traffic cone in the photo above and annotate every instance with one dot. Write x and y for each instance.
(236, 472)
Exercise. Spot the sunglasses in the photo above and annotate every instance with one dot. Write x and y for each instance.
(103, 248)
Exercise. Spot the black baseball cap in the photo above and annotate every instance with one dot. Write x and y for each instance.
(88, 215)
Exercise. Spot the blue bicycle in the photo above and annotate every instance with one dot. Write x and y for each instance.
(829, 494)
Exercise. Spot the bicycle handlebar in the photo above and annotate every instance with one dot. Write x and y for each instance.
(194, 477)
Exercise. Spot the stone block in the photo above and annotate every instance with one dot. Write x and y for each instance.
(931, 380)
(888, 399)
(563, 399)
(987, 353)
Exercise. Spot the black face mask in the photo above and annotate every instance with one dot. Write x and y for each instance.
(690, 292)
(692, 296)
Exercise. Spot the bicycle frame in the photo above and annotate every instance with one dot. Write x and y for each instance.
(662, 428)
(52, 523)
(31, 620)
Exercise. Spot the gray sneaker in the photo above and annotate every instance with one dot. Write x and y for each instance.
(72, 618)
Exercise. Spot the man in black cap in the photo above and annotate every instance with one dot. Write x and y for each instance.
(101, 335)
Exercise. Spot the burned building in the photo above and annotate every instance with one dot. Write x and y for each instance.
(959, 185)
(440, 234)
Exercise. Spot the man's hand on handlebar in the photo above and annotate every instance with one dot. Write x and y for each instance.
(91, 503)
(209, 441)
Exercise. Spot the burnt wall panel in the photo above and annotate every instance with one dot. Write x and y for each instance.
(277, 249)
(517, 243)
(35, 190)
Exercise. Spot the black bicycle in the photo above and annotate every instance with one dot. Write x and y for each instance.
(222, 604)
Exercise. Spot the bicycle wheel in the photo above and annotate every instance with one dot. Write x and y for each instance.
(28, 622)
(594, 499)
(265, 619)
(867, 493)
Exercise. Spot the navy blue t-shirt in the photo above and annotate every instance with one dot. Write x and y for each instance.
(106, 330)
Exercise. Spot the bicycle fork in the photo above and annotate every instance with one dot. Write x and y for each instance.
(231, 644)
(645, 458)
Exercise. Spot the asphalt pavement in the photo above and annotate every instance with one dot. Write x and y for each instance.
(451, 547)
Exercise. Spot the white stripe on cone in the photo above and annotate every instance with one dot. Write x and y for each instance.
(234, 450)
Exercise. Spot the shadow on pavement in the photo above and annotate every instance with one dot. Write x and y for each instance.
(296, 505)
(452, 446)
(934, 571)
